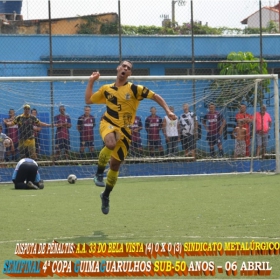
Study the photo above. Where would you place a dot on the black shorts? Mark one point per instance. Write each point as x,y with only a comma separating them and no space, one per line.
214,139
61,144
154,144
86,143
26,172
188,142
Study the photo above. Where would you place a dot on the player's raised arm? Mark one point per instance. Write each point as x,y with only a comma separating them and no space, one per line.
94,76
160,101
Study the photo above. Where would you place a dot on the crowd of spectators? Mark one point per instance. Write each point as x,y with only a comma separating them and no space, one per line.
24,130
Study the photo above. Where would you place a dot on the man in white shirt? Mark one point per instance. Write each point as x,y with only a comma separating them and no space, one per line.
188,130
171,134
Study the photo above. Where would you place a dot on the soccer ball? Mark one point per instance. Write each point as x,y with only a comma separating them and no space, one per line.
7,143
72,179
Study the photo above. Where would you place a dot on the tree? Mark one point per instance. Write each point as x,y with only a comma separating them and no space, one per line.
272,27
227,92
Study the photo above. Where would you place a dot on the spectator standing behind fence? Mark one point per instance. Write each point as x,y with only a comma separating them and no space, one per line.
214,124
240,134
188,130
247,120
263,125
3,137
85,125
62,122
171,134
153,126
37,130
136,142
25,123
12,132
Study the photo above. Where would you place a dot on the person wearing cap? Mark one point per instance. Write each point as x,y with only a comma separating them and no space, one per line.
26,175
25,123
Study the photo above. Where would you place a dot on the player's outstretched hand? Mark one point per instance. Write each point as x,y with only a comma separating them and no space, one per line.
94,76
172,116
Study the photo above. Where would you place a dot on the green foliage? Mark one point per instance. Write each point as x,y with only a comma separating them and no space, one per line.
94,26
241,63
109,28
270,28
168,29
90,27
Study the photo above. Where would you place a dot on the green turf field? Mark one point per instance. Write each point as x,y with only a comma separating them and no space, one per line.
228,208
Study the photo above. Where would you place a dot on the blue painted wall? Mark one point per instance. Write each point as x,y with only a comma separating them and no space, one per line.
34,47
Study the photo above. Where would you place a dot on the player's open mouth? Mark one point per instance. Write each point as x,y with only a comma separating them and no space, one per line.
122,73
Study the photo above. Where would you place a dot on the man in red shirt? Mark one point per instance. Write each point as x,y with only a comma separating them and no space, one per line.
12,132
214,124
136,142
263,125
247,120
85,125
153,126
62,137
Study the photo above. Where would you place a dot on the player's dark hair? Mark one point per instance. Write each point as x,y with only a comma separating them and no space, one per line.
127,61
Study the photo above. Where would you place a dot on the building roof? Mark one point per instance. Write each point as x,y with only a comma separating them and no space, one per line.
274,9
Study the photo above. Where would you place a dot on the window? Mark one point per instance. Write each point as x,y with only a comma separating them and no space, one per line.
176,71
60,72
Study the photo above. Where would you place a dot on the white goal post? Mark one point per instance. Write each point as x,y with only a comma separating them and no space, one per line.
48,94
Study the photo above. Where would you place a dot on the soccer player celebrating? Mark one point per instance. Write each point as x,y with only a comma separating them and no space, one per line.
122,100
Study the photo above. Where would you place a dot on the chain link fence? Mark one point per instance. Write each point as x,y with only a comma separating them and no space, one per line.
70,37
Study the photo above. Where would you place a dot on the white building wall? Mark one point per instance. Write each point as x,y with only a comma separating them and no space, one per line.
267,16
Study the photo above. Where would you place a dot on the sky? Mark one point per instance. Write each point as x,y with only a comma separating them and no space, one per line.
215,13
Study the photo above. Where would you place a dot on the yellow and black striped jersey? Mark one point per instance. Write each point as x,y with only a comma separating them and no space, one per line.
25,126
122,102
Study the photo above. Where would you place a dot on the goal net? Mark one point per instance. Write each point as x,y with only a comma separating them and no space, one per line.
61,100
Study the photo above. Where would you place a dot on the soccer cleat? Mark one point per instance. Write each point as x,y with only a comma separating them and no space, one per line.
98,180
105,204
32,186
41,184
